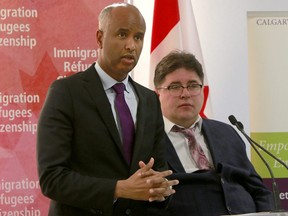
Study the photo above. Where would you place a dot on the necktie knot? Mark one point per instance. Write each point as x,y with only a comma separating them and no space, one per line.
119,88
188,132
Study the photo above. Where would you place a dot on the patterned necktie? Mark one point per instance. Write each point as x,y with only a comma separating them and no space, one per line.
126,121
194,147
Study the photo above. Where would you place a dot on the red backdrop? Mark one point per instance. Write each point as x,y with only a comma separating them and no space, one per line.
40,41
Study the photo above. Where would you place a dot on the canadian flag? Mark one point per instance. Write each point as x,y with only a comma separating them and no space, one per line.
174,27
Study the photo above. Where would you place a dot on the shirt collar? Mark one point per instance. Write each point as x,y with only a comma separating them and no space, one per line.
108,81
169,124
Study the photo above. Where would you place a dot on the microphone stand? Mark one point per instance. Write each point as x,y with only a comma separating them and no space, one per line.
240,127
275,188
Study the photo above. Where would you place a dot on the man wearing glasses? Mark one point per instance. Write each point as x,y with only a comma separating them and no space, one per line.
208,157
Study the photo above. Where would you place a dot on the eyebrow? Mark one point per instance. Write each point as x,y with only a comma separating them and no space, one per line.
128,30
189,82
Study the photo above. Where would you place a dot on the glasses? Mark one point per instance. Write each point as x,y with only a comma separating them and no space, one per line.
177,90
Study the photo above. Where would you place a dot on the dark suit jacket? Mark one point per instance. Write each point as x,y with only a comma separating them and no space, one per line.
232,188
79,150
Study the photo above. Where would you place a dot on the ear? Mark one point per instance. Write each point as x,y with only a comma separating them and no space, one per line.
99,38
156,91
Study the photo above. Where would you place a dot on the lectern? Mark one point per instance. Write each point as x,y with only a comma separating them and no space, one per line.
263,214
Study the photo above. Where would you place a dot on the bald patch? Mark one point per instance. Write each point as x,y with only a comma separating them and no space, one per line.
107,12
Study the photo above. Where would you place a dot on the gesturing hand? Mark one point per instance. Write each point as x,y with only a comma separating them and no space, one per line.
146,184
160,187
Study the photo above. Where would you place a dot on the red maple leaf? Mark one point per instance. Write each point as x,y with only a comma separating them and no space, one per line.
39,83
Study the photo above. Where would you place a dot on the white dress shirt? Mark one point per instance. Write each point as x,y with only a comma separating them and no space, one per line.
180,143
129,94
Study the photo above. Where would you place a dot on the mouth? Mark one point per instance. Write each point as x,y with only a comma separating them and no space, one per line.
128,59
185,105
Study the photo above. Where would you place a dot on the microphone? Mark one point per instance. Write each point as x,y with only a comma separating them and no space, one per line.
275,189
240,127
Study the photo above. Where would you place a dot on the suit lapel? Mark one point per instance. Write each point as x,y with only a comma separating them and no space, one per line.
210,135
172,157
140,123
214,141
94,87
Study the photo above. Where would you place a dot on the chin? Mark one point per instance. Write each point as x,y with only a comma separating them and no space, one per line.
185,116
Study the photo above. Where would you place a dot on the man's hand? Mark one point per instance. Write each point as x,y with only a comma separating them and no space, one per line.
146,184
160,187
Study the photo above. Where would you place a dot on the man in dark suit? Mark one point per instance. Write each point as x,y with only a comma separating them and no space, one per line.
223,181
82,164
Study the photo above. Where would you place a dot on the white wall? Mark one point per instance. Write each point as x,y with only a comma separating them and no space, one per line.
222,28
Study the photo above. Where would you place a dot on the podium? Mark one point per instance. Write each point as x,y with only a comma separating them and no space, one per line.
264,214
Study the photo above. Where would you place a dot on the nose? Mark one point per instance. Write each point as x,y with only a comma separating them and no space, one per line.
185,93
130,44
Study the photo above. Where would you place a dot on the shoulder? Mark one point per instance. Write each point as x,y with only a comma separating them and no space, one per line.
215,125
140,89
222,133
86,75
